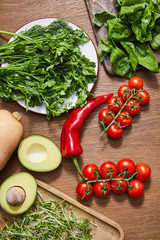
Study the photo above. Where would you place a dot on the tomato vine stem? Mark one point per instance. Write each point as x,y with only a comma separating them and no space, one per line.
133,93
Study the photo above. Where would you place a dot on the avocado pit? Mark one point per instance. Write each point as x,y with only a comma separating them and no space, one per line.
15,196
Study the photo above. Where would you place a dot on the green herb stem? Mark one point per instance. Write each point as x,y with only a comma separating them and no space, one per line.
15,34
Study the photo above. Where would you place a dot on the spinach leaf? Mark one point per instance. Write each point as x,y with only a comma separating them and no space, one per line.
130,49
120,63
104,48
118,29
134,30
101,18
146,57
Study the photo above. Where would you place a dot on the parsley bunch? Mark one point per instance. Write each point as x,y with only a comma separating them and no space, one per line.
45,65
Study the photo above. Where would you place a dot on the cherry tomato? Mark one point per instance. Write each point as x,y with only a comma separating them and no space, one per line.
106,116
102,189
84,191
108,169
126,164
143,171
124,119
136,82
133,107
143,97
124,92
115,103
137,188
91,171
114,131
119,188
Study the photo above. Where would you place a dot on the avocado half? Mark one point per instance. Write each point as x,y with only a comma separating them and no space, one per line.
21,180
39,154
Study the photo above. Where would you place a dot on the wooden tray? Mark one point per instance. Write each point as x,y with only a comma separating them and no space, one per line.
105,228
95,6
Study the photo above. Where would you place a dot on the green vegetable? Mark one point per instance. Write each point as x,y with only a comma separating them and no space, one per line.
46,65
132,35
47,220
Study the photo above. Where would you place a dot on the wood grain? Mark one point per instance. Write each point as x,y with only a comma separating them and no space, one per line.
140,218
95,6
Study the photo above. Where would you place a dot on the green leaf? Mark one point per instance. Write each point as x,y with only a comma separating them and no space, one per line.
118,29
130,49
104,48
101,18
120,63
146,57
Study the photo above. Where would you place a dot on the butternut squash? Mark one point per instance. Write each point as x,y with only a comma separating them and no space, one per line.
11,133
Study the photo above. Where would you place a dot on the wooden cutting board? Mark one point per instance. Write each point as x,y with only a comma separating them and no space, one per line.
95,6
105,228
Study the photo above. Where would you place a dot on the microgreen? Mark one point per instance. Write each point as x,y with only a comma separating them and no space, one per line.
47,219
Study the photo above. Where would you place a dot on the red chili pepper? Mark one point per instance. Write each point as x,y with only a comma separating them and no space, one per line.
70,144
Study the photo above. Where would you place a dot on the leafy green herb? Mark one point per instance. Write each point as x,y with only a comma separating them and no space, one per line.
131,35
46,65
47,220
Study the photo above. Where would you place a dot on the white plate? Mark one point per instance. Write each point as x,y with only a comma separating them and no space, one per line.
87,49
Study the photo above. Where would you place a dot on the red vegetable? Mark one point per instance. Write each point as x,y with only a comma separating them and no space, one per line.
102,189
115,104
143,171
106,116
70,144
124,119
133,107
143,97
91,171
119,186
114,131
136,82
124,92
137,188
108,169
126,164
84,190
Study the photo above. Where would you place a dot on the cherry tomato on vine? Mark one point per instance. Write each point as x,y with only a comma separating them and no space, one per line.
143,171
102,189
137,188
133,107
136,82
84,190
108,169
124,92
143,97
106,116
91,171
114,131
119,186
115,103
126,164
124,119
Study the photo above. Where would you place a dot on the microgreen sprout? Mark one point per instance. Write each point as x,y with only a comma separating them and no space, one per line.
47,219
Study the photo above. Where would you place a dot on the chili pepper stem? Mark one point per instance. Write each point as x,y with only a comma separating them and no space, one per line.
74,158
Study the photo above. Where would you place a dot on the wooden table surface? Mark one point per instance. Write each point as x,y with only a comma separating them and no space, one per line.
140,218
